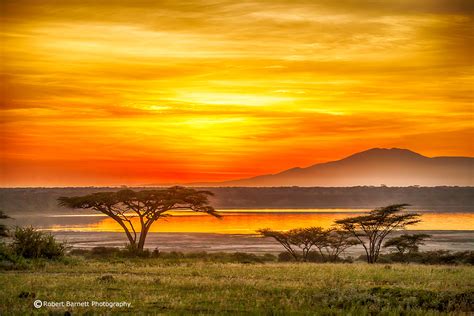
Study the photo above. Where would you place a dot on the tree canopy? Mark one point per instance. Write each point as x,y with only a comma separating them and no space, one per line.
371,229
148,205
299,242
407,243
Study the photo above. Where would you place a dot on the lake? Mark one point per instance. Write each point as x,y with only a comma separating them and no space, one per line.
187,231
238,221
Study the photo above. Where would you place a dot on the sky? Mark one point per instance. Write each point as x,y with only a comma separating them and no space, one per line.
141,92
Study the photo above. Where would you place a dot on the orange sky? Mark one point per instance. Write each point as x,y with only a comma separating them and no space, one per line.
137,92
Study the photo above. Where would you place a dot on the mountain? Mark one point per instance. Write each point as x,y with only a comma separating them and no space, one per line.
377,166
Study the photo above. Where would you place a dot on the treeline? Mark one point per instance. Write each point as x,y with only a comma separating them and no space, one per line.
34,200
342,197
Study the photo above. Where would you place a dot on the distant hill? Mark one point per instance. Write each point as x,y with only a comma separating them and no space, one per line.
377,166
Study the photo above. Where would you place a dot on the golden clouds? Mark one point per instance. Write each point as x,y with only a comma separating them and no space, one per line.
165,91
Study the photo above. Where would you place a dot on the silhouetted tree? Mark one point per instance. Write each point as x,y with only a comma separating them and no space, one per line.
336,242
329,242
284,238
407,244
147,205
371,229
307,238
3,227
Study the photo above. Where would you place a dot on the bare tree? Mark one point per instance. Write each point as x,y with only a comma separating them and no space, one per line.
371,229
148,205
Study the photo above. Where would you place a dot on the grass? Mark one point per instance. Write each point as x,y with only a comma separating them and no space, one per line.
192,286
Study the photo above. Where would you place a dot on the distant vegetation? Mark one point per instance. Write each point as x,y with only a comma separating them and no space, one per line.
429,257
43,200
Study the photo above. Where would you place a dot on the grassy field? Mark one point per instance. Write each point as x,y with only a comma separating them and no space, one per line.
191,286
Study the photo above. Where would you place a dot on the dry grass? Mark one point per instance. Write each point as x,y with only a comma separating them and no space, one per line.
198,287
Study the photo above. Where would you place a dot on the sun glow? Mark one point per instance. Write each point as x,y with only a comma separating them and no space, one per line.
249,222
126,93
231,99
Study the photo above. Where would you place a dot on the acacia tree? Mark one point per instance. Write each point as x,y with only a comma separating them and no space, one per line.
407,243
335,243
307,238
148,205
329,242
284,238
371,229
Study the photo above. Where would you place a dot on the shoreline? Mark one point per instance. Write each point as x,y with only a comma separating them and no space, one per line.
216,242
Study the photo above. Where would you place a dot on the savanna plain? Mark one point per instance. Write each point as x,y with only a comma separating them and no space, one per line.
237,284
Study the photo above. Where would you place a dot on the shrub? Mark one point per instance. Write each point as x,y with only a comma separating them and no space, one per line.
173,256
268,257
431,257
30,243
10,260
98,252
79,252
285,257
314,256
242,257
134,252
3,227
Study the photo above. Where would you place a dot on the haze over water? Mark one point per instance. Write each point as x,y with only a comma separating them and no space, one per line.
241,221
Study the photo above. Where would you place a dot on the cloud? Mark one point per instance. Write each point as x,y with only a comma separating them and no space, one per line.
221,87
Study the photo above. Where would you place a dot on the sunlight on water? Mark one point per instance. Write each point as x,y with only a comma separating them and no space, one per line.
248,221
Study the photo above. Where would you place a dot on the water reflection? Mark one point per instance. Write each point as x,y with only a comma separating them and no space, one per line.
239,221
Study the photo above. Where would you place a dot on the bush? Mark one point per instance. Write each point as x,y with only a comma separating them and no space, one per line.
9,260
5,252
285,257
242,257
430,257
99,252
445,257
105,251
30,243
313,256
112,252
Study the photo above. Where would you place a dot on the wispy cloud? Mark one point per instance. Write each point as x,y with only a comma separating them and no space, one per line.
150,91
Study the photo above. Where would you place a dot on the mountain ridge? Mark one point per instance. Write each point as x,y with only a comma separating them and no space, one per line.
375,166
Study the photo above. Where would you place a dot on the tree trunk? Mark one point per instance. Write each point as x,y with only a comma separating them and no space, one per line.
143,233
130,238
370,258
